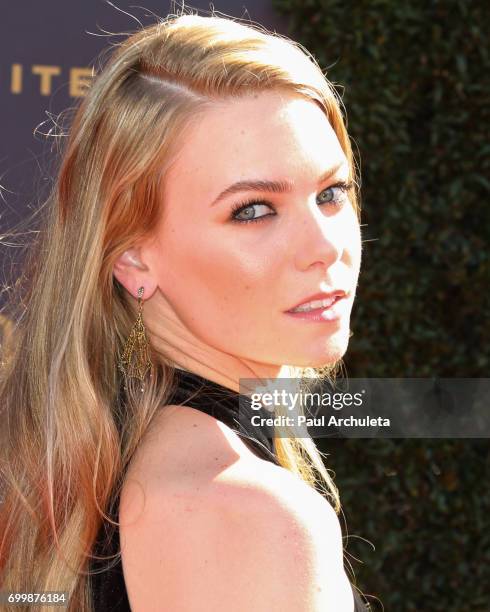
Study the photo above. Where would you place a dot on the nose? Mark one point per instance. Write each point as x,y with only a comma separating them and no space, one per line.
320,238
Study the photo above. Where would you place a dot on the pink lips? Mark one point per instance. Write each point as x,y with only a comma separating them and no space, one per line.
325,314
320,296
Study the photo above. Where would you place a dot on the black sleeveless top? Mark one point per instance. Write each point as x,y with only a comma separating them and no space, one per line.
108,587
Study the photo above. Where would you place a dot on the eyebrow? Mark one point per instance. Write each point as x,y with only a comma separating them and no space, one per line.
270,186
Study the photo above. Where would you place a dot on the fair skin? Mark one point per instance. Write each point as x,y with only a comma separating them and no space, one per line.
206,526
216,292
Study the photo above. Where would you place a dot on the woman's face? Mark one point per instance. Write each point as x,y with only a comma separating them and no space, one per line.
226,284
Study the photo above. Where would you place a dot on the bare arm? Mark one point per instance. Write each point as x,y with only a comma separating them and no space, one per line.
245,543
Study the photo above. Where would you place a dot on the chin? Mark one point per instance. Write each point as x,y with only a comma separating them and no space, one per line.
327,353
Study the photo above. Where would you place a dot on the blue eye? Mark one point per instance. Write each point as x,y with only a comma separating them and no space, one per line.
249,205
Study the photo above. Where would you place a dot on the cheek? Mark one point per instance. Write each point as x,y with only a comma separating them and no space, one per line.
352,232
229,276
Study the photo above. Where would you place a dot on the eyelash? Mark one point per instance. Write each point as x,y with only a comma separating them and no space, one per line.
238,207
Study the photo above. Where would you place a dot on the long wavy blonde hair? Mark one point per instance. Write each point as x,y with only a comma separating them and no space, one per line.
66,439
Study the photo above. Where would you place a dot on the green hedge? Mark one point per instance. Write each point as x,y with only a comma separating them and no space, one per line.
414,81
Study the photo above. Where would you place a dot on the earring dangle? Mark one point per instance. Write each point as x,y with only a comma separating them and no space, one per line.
135,361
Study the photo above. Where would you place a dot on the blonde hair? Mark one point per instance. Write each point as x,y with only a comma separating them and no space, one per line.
66,437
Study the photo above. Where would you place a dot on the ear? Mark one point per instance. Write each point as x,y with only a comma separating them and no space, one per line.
132,273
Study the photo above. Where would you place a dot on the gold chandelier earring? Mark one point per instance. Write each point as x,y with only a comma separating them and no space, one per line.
135,361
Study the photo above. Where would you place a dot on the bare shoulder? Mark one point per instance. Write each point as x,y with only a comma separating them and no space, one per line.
234,532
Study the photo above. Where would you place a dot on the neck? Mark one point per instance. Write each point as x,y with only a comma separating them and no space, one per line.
169,336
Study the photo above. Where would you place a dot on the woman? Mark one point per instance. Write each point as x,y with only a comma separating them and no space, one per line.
207,190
